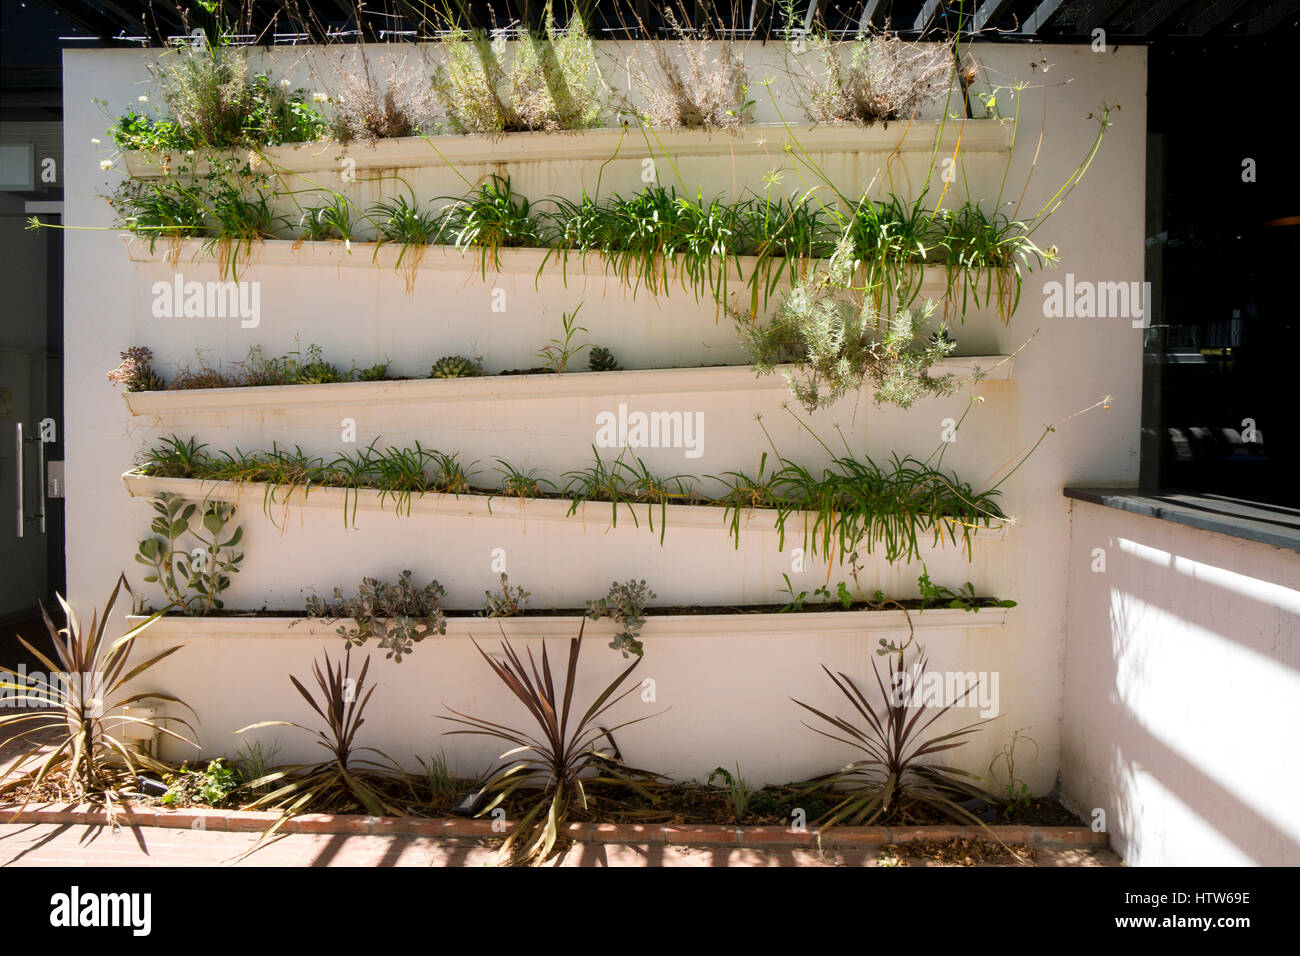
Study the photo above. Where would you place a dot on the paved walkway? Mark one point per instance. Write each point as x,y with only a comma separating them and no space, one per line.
67,845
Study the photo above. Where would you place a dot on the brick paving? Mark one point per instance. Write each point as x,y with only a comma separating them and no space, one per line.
76,845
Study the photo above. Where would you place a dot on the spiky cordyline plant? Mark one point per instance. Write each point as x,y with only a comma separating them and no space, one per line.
84,760
344,779
892,781
562,764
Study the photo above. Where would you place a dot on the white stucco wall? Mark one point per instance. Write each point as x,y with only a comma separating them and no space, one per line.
1182,686
729,694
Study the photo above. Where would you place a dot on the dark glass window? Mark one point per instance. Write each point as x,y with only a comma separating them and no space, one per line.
1223,257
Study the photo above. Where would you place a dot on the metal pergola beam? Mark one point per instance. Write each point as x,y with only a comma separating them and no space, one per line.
870,14
990,11
815,8
927,15
1041,15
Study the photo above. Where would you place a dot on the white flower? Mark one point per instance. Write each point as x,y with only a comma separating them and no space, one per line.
94,142
105,164
285,84
144,99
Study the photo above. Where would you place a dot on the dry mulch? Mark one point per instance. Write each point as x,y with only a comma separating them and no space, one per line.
957,852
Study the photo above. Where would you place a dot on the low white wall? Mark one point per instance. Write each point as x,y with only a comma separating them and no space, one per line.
1182,688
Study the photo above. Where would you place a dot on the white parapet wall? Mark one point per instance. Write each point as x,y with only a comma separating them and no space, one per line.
729,684
1182,667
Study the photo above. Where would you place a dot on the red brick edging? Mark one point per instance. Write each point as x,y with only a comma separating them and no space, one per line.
684,835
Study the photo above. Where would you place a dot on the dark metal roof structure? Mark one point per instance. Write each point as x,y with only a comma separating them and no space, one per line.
115,22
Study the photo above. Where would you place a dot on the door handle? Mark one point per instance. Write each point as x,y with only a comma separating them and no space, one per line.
18,447
22,515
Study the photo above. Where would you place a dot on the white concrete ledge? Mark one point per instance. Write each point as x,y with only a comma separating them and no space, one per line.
740,624
977,136
597,513
499,388
439,258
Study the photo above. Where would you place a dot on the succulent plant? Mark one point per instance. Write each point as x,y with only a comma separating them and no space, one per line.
135,372
455,366
508,602
318,373
375,373
626,604
398,615
602,359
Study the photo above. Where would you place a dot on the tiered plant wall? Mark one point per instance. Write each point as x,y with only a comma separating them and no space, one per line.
817,309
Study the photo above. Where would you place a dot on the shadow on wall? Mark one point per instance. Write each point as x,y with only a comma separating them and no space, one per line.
1196,698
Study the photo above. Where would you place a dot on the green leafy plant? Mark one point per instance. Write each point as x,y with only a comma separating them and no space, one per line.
508,602
625,603
1015,791
212,786
962,599
329,220
192,579
450,475
398,221
438,778
396,615
67,725
252,762
740,793
492,217
892,781
521,484
216,104
561,351
797,601
142,131
558,767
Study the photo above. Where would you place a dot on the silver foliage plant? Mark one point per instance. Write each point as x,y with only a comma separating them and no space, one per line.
873,78
626,604
398,615
697,89
389,98
839,341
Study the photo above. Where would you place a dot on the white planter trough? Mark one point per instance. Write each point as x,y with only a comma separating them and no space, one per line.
737,625
500,507
977,136
500,388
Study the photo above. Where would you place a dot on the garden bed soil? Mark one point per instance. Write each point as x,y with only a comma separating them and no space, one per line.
680,804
